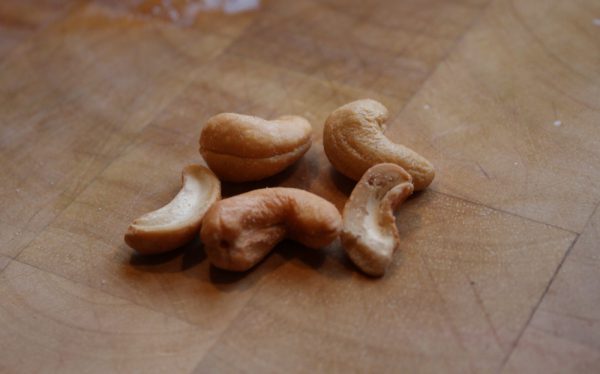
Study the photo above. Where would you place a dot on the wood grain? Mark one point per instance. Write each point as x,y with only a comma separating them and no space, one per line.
4,261
50,324
454,300
392,59
491,128
73,99
179,283
102,103
20,19
563,333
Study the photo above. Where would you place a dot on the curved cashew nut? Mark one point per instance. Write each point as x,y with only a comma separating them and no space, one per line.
354,141
240,231
179,221
370,235
240,148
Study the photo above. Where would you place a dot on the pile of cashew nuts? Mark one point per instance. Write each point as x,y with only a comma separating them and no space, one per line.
240,231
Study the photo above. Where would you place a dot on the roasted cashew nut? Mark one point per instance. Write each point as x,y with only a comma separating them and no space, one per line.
354,141
370,235
240,148
178,222
240,231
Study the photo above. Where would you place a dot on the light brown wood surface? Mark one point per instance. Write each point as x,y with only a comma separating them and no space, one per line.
102,103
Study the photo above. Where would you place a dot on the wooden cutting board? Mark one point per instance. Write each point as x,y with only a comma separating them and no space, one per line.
102,103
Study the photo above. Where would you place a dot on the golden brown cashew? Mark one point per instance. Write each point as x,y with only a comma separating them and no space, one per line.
178,222
240,148
370,235
240,231
354,141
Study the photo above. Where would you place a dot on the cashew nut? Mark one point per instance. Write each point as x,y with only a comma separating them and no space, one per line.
240,231
240,148
354,141
370,235
179,221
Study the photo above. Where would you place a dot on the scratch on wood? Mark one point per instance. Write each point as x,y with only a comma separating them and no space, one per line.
485,314
482,170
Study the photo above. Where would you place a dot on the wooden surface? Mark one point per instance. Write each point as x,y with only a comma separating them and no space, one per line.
102,103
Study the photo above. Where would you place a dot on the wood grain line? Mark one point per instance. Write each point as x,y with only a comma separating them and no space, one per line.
230,325
505,211
99,289
4,261
106,166
70,9
567,254
537,304
476,20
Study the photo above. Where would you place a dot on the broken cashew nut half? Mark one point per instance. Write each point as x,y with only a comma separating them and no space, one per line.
370,235
241,148
354,141
178,222
240,231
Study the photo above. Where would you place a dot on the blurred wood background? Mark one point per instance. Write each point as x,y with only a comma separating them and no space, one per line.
102,103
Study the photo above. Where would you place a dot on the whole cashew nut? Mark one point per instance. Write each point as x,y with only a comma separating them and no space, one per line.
240,231
354,141
179,221
240,148
370,235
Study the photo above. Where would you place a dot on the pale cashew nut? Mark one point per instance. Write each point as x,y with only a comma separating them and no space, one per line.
354,141
240,148
240,231
176,223
370,235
